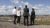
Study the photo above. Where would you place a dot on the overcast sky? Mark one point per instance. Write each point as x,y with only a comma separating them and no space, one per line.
42,7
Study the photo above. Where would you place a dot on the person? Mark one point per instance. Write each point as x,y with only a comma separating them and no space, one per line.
18,15
32,16
26,14
15,16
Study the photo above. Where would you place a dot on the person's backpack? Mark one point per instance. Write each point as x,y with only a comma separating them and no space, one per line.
26,10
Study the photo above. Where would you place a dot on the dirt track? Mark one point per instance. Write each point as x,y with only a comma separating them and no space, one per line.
4,23
11,25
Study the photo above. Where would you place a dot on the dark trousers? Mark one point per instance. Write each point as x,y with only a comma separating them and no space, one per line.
18,20
25,18
32,20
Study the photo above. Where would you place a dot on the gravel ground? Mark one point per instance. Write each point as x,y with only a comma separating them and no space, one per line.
7,22
11,25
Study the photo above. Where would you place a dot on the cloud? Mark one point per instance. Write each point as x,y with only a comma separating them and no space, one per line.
2,7
38,6
21,2
26,3
5,10
17,1
48,7
41,9
10,7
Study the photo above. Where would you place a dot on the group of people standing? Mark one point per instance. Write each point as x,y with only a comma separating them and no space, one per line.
25,15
